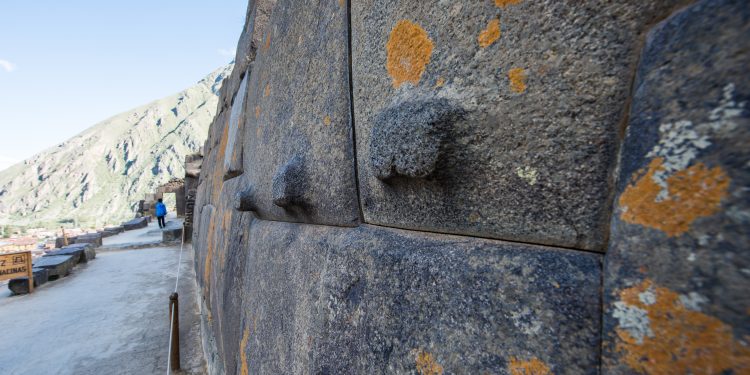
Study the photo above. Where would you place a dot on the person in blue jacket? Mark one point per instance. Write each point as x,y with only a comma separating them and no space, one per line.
161,212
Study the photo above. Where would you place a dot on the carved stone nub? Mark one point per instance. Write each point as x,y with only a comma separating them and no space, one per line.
290,184
245,200
408,136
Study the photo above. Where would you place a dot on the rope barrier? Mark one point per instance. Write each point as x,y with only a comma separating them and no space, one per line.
179,261
172,305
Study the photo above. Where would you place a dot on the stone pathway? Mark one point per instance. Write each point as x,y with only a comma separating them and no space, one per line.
109,316
138,237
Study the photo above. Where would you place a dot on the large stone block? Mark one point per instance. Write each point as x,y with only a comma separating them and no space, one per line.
171,234
202,237
112,231
193,164
60,242
222,241
233,151
298,144
496,118
83,252
21,284
678,267
137,223
56,266
95,239
370,300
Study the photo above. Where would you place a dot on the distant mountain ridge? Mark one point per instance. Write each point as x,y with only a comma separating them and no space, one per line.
97,177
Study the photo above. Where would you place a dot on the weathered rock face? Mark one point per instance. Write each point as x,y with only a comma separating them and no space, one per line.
676,285
455,128
297,117
373,300
498,119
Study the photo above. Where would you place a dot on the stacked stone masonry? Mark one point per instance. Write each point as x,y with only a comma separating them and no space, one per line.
471,187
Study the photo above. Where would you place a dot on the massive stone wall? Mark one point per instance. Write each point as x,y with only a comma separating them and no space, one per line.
498,186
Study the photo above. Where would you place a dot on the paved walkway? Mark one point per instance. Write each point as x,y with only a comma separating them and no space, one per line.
144,236
109,316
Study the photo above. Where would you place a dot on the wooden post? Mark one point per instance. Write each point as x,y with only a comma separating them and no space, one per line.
65,238
174,355
31,272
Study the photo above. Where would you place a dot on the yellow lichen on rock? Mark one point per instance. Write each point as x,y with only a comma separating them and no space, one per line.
243,352
217,178
692,193
267,90
267,44
517,78
327,120
504,3
531,367
679,340
427,365
490,34
209,258
409,50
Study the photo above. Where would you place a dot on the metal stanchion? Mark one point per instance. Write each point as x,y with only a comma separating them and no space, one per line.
174,343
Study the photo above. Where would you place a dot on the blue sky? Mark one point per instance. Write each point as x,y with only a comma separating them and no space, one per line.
66,65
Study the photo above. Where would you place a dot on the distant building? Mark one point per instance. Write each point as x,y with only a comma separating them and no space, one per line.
18,244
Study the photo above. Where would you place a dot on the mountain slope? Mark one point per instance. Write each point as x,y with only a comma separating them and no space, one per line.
97,177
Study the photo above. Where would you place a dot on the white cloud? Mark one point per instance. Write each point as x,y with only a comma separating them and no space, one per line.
7,65
227,52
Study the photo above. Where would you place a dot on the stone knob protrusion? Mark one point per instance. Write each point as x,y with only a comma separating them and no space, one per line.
290,184
244,200
408,137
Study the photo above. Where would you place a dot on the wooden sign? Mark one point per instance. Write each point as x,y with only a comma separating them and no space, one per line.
16,265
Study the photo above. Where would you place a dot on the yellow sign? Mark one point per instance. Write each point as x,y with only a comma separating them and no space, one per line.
15,265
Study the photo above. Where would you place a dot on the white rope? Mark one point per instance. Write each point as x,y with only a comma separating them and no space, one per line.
179,261
172,314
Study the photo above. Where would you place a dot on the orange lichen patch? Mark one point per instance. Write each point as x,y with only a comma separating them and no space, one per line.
257,111
209,257
517,78
342,2
409,50
440,82
243,349
267,44
693,193
267,90
504,3
226,223
426,364
490,34
683,341
531,367
217,180
327,120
